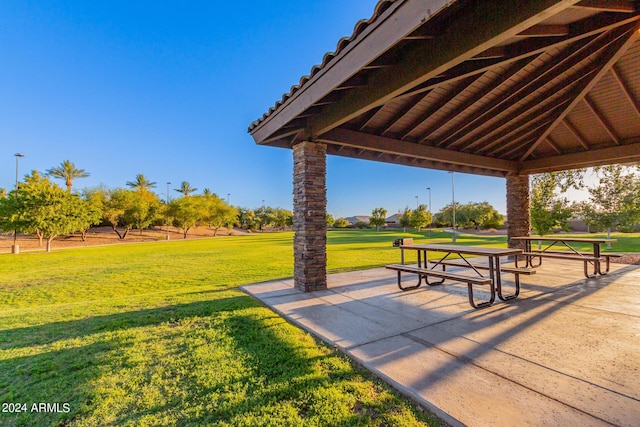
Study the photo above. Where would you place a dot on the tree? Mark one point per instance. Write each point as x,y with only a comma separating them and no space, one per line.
341,223
188,212
186,189
479,215
548,211
405,218
116,203
130,209
141,183
247,219
378,217
43,208
282,218
615,202
420,217
218,213
67,171
330,220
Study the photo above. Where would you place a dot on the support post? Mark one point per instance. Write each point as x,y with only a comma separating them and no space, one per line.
518,215
309,216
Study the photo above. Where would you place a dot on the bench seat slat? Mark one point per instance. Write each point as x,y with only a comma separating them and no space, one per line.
561,256
441,274
519,270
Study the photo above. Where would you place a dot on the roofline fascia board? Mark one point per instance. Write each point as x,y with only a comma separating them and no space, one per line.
628,152
376,39
393,146
495,21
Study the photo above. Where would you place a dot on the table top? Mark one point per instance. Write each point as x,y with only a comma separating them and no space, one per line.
462,249
566,239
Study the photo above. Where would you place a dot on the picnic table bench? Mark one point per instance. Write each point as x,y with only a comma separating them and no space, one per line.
424,271
593,257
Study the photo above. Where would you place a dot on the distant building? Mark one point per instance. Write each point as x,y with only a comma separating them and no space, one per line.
358,218
393,219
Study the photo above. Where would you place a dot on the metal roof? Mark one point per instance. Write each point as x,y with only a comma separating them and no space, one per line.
475,86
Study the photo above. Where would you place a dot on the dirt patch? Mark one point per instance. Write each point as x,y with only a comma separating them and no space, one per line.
633,259
106,236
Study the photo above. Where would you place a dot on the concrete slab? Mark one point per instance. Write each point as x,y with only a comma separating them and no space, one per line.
564,353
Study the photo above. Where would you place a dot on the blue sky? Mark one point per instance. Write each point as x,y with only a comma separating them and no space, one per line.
169,88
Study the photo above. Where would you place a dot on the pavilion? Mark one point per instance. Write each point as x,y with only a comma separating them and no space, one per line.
503,88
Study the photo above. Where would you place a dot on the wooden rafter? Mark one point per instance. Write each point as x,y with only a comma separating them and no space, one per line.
570,57
625,90
575,133
454,46
553,145
486,90
410,103
435,107
601,119
628,151
519,132
392,146
608,5
514,117
614,53
369,116
545,31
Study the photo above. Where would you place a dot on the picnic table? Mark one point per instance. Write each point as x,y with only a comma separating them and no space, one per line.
558,247
493,279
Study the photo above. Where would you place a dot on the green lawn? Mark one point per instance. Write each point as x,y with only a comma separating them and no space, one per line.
158,334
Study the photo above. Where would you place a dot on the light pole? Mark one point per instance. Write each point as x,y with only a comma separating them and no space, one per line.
453,206
15,249
168,184
430,216
228,194
417,205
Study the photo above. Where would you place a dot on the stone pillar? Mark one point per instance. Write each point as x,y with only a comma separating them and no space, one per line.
309,216
518,216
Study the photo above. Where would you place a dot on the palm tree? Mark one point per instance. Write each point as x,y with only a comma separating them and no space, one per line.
186,189
67,171
141,183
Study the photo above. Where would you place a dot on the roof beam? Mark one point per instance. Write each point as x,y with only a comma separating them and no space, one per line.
435,107
613,54
486,90
575,133
545,31
627,152
493,23
406,149
570,57
625,90
601,119
350,152
410,103
608,5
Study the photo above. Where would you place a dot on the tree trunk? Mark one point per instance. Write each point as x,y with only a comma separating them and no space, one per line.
49,240
39,234
84,235
117,232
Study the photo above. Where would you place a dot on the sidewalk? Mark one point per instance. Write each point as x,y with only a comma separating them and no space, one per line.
566,352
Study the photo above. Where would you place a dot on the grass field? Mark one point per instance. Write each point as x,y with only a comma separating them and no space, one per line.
157,334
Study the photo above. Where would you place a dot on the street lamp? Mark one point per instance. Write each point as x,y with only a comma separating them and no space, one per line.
168,184
453,206
18,155
15,249
430,225
228,194
417,205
